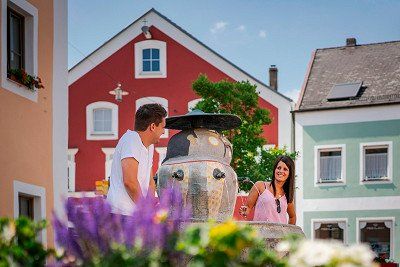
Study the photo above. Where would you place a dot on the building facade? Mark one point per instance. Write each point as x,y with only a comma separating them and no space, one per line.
154,64
347,127
33,122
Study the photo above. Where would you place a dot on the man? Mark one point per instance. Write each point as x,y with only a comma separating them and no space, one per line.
131,174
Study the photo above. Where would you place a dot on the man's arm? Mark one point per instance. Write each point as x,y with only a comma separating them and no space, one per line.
152,185
129,173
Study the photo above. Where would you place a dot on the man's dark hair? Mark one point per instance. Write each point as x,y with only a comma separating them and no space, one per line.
148,114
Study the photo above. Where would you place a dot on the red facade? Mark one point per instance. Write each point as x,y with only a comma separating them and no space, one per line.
183,67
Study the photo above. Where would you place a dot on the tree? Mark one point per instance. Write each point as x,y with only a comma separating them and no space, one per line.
241,98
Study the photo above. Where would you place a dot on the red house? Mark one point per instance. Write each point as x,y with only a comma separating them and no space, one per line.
154,64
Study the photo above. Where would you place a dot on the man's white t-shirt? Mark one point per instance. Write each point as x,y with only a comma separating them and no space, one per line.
129,146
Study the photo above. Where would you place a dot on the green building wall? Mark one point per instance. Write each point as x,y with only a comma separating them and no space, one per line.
350,134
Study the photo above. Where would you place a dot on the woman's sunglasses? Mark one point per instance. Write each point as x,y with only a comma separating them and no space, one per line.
278,205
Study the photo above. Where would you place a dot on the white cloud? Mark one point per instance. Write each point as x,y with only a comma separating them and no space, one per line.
293,94
220,26
241,28
262,34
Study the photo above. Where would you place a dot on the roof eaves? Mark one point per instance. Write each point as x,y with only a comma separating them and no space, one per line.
306,78
191,36
112,38
345,107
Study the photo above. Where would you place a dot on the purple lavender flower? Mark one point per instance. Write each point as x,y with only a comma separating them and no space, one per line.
96,231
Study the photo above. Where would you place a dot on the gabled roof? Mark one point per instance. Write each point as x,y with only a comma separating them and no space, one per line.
376,65
154,18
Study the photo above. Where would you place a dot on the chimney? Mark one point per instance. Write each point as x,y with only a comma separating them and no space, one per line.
273,77
351,42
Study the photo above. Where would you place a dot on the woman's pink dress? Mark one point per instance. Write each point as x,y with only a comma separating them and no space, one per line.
266,208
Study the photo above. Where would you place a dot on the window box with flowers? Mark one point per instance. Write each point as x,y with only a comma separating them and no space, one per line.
20,76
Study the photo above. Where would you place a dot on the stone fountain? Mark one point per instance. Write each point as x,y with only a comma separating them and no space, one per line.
198,163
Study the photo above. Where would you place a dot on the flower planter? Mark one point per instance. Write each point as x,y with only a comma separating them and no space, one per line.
23,79
14,79
389,264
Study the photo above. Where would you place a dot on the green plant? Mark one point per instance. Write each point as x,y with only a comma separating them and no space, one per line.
19,245
249,159
20,76
226,244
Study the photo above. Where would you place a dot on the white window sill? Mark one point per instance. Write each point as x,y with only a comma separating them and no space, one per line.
377,181
102,136
330,183
151,74
102,133
20,89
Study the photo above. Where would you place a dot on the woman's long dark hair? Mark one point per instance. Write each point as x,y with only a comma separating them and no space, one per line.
288,186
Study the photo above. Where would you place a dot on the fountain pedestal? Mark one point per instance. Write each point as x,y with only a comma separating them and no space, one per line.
198,163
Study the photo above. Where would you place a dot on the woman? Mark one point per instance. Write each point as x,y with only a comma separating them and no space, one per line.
272,200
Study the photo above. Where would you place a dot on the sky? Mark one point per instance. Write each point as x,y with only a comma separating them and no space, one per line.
252,34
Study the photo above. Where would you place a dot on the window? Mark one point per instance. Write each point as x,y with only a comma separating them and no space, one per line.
376,162
150,59
109,152
150,100
102,121
19,20
30,201
15,40
25,203
378,233
335,229
71,169
330,164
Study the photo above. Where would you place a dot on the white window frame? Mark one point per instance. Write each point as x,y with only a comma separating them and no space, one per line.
31,16
148,44
331,220
71,168
389,145
90,134
39,203
324,148
193,103
109,153
151,100
377,219
162,153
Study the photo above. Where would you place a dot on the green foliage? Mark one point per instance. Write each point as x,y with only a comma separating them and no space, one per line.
19,245
226,244
206,244
241,98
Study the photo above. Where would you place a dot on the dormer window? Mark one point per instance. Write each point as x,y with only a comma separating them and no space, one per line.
150,59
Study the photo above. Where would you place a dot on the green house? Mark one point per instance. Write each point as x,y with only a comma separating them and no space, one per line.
347,132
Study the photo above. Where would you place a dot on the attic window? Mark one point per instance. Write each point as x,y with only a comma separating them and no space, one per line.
344,91
150,59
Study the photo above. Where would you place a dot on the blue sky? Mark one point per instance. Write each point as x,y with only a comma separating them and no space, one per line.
253,34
